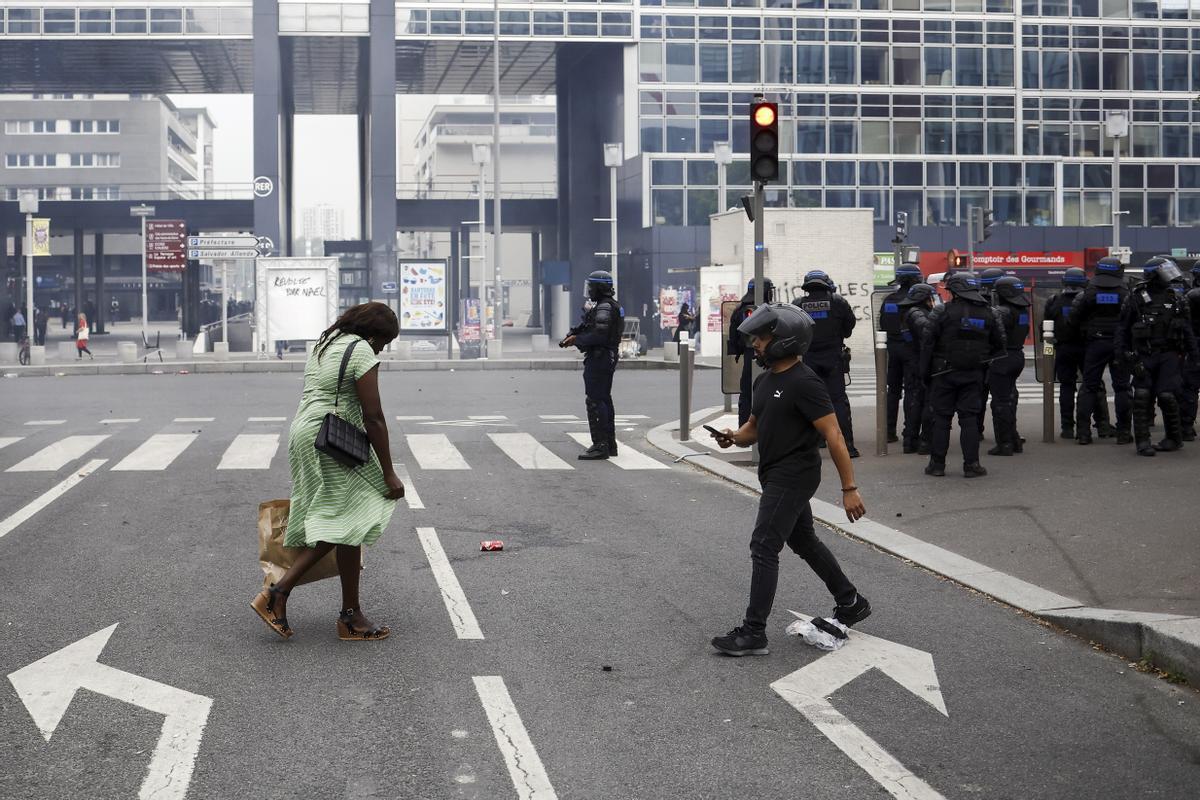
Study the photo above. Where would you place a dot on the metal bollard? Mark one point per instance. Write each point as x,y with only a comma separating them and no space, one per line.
881,393
685,391
1047,357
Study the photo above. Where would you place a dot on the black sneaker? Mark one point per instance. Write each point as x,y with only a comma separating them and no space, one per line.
612,449
741,642
936,470
974,470
853,451
854,613
594,453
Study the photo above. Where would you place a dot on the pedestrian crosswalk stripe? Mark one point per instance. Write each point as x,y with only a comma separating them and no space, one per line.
45,422
434,451
413,418
486,416
410,490
631,416
156,453
628,459
267,419
250,451
527,452
558,416
120,421
5,441
55,456
461,616
10,524
193,419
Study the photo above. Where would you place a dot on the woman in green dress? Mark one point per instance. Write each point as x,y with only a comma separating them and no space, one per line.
334,506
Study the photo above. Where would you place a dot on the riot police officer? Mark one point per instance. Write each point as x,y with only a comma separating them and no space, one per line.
1191,369
1094,315
1154,334
1011,307
736,345
987,285
918,416
961,337
900,360
599,336
1068,349
833,322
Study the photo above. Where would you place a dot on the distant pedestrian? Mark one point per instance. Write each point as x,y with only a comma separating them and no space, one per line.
39,326
686,320
281,346
81,338
18,325
332,505
792,411
67,315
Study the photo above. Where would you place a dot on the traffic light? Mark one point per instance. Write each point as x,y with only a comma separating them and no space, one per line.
986,223
764,141
901,226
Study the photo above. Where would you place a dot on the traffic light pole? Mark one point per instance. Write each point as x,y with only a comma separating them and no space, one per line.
760,289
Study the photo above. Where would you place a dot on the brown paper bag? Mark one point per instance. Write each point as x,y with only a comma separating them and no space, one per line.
277,559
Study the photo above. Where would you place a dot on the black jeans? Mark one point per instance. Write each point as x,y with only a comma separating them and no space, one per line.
785,517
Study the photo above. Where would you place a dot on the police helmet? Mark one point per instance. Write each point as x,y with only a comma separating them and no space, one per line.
790,326
1074,277
1162,270
908,273
1196,267
817,279
989,276
1011,290
599,284
964,285
768,289
918,294
1110,273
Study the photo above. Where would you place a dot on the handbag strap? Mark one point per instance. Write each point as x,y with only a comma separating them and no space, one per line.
342,371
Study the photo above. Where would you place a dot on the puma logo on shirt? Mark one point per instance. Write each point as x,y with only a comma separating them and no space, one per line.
778,393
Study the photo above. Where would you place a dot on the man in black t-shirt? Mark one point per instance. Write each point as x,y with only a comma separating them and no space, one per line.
791,413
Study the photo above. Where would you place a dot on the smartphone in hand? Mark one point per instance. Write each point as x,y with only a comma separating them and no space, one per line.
718,435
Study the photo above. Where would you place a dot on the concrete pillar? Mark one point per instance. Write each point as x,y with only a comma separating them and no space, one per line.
101,301
127,352
221,351
37,354
77,267
184,349
379,151
535,279
272,128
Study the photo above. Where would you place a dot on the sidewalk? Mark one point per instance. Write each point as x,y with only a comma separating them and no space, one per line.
1095,539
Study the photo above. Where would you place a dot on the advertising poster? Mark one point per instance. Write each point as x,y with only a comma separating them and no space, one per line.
885,268
41,237
422,295
670,299
718,285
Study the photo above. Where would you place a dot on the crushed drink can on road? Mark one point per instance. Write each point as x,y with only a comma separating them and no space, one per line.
489,545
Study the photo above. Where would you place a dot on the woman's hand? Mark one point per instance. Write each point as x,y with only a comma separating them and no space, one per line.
395,486
853,503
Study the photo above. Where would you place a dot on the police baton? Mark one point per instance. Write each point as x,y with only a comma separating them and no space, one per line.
981,363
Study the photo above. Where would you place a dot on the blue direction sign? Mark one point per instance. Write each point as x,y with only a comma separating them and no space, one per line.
221,242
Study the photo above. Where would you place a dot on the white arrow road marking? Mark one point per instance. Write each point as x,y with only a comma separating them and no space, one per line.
54,457
808,689
47,686
461,615
524,766
250,451
7,526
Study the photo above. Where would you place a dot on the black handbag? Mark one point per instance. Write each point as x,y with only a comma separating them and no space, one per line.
341,440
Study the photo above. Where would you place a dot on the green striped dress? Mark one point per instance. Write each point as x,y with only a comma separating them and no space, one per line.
331,502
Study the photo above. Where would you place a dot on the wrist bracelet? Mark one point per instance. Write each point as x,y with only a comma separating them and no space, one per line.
850,489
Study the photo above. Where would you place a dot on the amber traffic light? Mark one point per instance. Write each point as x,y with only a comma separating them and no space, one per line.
764,141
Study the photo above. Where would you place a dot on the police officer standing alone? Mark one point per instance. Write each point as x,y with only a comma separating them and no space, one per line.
1094,315
900,355
792,412
833,321
962,336
918,417
599,336
1154,335
736,345
1191,368
1012,313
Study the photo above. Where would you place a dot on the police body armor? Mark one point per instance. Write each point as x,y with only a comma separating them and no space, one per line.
890,317
1016,325
615,329
1106,314
1058,310
964,343
826,325
1160,317
1193,300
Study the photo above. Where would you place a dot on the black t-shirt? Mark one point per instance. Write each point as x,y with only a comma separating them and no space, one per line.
785,405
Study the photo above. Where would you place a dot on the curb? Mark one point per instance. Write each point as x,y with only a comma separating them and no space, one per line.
275,365
1167,641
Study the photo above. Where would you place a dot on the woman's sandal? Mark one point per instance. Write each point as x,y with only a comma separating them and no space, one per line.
348,633
264,605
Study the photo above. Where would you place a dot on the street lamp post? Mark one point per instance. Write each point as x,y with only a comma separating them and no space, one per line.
614,156
142,211
723,154
496,225
1116,125
481,154
29,207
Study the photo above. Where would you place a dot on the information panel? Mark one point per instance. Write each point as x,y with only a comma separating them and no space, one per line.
297,298
423,295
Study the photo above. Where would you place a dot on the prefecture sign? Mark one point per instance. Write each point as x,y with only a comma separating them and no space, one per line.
165,240
221,242
221,252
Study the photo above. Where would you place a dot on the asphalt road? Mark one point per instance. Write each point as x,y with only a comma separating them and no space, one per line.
632,569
